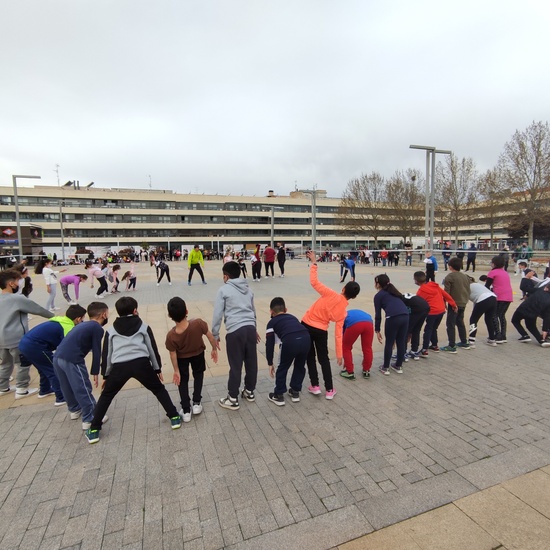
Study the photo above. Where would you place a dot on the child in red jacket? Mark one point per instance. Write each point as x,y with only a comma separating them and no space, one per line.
436,298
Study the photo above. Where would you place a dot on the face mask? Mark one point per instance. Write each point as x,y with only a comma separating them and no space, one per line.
104,322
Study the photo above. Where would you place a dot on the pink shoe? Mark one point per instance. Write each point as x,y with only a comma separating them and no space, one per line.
315,390
330,394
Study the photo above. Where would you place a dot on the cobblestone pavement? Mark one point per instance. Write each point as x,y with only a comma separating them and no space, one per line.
313,474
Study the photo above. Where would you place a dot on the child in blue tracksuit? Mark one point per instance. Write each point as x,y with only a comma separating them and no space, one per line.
431,266
295,344
39,344
70,367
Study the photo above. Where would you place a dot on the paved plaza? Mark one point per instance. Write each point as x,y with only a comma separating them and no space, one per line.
450,435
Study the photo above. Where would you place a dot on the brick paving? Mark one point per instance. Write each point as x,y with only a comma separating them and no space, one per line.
307,475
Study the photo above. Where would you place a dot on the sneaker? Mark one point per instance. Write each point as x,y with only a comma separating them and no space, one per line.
20,394
366,374
231,403
73,303
186,417
348,375
384,370
315,390
92,436
175,422
189,283
463,345
330,394
414,355
424,353
279,400
59,403
473,328
249,395
204,283
434,349
158,284
88,425
472,343
545,344
169,284
492,343
450,349
197,408
294,395
524,339
396,369
100,296
502,340
76,415
5,392
405,357
42,395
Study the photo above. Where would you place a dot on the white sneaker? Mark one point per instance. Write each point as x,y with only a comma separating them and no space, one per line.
76,415
169,284
186,417
73,303
88,425
158,284
20,394
197,408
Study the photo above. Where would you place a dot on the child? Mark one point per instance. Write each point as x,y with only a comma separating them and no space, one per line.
349,265
357,324
70,367
162,270
457,285
331,306
295,343
388,298
485,303
184,342
256,264
436,298
418,312
71,280
115,281
27,287
235,303
50,277
13,325
431,266
242,265
39,344
499,281
130,278
95,271
536,305
130,351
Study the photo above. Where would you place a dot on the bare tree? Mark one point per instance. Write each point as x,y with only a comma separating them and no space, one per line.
455,189
360,209
525,166
493,193
405,199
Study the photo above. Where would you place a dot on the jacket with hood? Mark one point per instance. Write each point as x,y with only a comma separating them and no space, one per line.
235,304
128,339
436,297
537,304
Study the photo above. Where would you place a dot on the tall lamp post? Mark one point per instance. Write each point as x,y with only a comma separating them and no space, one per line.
17,219
313,193
273,208
430,192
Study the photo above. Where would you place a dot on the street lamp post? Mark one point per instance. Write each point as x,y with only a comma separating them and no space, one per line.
62,230
430,192
313,193
17,219
273,208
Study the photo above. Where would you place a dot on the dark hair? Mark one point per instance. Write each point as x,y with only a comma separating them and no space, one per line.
95,309
126,275
277,305
177,309
115,267
9,275
523,262
82,276
384,281
196,246
232,270
75,311
88,263
351,290
483,278
456,263
126,306
498,261
39,267
419,277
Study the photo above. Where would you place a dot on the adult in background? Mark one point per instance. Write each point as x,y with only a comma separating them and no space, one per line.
194,262
269,259
471,258
281,258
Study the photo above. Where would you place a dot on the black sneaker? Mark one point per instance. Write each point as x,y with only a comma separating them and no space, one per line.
434,348
279,400
524,339
229,403
366,374
294,395
248,395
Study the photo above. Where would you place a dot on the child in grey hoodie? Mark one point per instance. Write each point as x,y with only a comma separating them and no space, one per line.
235,303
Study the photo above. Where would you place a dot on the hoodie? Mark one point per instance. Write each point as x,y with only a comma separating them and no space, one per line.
436,297
537,305
235,304
128,339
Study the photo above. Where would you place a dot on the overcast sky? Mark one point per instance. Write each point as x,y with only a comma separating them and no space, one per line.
243,96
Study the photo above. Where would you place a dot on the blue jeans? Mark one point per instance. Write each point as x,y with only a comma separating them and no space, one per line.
43,361
295,348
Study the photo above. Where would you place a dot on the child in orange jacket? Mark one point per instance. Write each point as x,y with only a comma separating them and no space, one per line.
436,298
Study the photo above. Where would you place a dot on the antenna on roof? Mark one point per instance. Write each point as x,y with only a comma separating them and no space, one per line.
150,184
57,172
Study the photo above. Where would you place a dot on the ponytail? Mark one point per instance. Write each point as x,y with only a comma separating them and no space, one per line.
384,281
